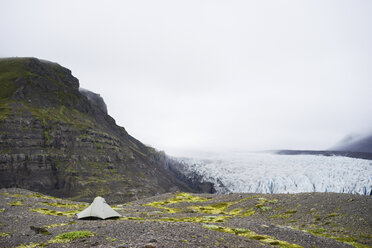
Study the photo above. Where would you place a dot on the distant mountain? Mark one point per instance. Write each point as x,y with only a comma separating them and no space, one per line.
57,139
354,144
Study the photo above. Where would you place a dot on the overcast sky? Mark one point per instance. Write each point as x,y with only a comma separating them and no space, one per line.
211,75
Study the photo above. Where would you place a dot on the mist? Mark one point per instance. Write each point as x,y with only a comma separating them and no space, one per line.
211,75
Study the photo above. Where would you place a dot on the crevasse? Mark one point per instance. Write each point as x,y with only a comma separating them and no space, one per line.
273,173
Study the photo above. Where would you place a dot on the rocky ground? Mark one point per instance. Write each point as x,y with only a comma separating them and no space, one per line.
29,219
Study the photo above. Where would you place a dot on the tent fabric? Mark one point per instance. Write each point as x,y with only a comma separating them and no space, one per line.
100,209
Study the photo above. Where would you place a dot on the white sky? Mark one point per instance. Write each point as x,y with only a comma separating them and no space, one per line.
211,75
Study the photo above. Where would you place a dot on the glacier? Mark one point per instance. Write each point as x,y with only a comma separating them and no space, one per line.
273,173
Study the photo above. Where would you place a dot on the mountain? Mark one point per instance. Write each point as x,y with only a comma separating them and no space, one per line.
355,144
57,139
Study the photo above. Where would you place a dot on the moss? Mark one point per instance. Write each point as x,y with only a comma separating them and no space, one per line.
71,236
218,208
248,213
252,235
223,208
61,115
265,208
16,203
4,234
201,219
65,205
178,197
332,215
54,212
111,239
291,211
282,216
31,245
10,70
34,195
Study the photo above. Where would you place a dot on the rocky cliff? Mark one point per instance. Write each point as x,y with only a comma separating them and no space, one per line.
61,141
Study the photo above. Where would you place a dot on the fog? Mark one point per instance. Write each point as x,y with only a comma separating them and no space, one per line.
211,75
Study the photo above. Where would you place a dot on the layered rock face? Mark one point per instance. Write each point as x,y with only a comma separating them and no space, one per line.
57,140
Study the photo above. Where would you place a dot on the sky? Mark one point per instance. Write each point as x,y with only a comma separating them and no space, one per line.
211,75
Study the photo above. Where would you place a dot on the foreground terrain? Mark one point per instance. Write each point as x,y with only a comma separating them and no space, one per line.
29,219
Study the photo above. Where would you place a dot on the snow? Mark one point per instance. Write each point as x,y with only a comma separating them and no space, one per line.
273,173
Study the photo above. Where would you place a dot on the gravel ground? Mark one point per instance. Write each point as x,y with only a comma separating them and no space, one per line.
191,220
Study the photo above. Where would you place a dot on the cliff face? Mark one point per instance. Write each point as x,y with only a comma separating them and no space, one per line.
57,140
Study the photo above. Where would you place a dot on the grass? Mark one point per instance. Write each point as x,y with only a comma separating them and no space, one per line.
10,70
71,236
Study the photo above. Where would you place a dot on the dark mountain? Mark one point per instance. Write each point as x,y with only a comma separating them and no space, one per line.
355,144
351,146
58,140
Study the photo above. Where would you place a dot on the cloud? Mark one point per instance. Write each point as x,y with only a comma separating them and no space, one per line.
210,75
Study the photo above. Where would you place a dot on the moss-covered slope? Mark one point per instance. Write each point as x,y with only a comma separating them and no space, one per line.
54,140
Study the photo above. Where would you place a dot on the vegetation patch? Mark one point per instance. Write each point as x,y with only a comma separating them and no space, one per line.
65,205
179,197
262,201
31,245
202,219
47,211
218,208
344,239
248,213
4,234
252,235
16,203
61,115
35,195
71,236
222,208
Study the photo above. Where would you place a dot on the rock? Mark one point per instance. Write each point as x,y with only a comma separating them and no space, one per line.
149,245
40,230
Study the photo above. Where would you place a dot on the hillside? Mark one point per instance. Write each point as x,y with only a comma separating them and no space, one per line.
177,220
61,141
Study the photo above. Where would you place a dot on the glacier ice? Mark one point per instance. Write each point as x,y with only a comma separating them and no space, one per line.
274,173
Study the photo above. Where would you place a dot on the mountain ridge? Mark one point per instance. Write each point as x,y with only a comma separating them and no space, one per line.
355,144
54,140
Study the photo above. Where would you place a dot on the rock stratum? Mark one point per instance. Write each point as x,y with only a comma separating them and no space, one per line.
57,139
30,219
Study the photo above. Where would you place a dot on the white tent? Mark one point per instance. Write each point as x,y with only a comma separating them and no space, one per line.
99,209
